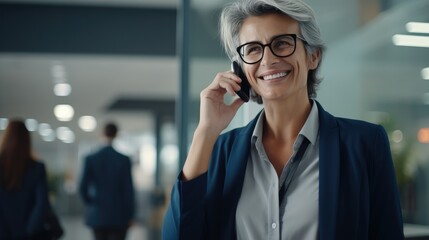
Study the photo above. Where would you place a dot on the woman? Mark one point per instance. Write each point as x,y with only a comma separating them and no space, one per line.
23,188
295,171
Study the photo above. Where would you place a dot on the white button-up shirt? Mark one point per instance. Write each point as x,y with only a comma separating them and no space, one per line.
258,211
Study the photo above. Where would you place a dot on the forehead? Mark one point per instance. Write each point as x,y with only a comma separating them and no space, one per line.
263,28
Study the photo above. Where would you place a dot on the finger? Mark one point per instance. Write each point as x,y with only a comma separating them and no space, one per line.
229,76
233,79
230,87
227,81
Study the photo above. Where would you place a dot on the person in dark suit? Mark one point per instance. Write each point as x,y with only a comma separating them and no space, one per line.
23,186
295,171
107,190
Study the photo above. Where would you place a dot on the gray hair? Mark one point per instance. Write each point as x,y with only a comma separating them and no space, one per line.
234,14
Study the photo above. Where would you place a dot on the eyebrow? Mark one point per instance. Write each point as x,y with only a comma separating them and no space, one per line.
271,39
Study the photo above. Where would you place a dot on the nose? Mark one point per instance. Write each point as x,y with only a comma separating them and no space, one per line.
268,57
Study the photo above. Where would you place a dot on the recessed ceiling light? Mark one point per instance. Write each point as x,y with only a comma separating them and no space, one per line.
87,123
58,72
417,27
31,124
64,112
410,40
3,123
62,89
65,134
425,73
49,135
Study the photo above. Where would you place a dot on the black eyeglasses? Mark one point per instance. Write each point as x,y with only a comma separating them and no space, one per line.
281,46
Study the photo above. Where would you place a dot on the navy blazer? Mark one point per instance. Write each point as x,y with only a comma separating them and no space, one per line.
358,195
22,211
107,190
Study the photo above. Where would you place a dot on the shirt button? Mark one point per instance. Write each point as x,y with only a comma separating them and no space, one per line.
274,225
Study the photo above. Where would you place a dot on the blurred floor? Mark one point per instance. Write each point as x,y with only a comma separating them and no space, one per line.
75,229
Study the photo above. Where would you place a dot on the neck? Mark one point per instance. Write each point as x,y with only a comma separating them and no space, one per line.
283,121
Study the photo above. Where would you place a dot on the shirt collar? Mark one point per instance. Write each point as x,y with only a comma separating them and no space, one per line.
311,126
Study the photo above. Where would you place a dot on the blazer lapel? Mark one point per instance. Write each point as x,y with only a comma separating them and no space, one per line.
234,178
329,173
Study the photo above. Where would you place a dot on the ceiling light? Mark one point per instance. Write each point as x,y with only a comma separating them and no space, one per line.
58,72
87,123
63,112
49,135
65,134
417,27
410,40
62,89
425,73
44,129
3,123
31,124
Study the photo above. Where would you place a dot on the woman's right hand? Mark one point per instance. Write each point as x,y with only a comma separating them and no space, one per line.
215,116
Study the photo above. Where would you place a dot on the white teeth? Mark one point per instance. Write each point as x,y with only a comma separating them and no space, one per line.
277,75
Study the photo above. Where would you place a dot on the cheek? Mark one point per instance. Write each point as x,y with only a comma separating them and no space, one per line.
250,74
301,71
304,64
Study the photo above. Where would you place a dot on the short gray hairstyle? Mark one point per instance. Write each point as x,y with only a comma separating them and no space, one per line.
234,14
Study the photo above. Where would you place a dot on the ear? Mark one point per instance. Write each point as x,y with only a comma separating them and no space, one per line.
314,60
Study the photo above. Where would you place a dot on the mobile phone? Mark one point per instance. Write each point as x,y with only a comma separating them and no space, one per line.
244,92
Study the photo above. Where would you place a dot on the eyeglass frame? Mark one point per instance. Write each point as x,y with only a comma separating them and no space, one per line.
293,35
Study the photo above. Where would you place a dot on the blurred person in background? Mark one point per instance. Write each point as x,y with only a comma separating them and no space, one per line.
295,171
24,201
107,190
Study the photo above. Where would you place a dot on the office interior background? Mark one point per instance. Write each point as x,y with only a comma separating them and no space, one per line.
68,66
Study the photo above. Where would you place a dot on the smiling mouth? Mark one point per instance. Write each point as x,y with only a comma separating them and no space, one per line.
275,76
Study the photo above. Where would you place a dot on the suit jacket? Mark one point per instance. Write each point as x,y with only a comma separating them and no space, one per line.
22,211
107,190
358,195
